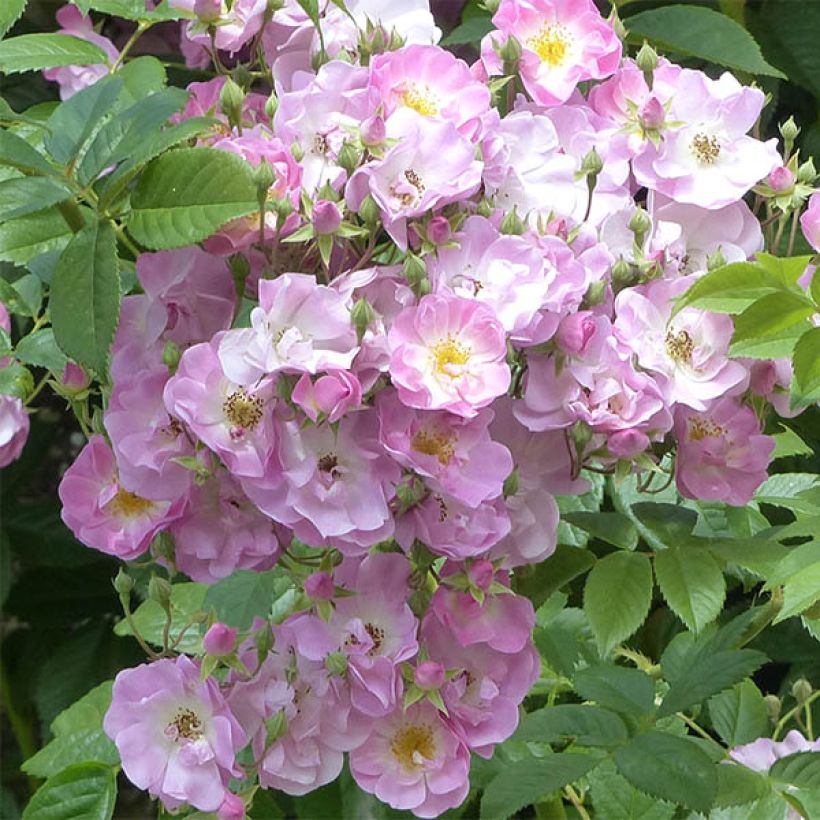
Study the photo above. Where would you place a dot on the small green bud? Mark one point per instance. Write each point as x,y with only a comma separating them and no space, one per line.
231,99
159,590
297,152
423,288
491,5
581,435
592,164
362,315
369,212
773,707
484,207
264,176
715,260
271,105
639,224
789,130
622,274
336,663
801,691
123,583
414,269
510,53
275,727
512,224
171,355
617,25
396,41
807,173
647,61
595,295
263,641
242,76
349,157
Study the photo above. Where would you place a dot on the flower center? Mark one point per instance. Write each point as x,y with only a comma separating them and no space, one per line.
128,505
705,148
320,144
551,43
450,354
412,745
186,726
679,346
243,410
421,100
701,428
436,444
329,464
376,635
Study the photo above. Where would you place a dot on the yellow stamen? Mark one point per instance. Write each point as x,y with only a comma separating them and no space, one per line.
551,43
701,428
436,444
450,353
128,505
705,148
412,745
421,100
680,346
242,409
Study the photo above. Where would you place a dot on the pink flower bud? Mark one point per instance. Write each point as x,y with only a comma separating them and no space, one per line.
429,675
208,11
575,331
558,227
652,114
219,639
762,377
438,230
781,180
627,443
326,217
232,808
373,131
481,574
319,586
74,377
332,394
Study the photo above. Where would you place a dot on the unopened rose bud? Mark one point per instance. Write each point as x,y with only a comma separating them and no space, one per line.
575,331
592,164
74,379
438,230
326,217
510,53
789,130
232,808
807,173
640,224
773,707
801,691
219,639
208,11
627,443
781,180
362,315
271,105
349,157
231,100
369,211
652,114
263,641
319,586
373,131
123,583
647,61
512,224
481,574
159,590
429,675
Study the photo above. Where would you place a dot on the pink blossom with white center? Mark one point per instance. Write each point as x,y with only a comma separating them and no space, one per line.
810,222
451,528
639,112
504,621
14,427
233,420
483,697
505,272
333,394
455,455
524,166
196,289
319,722
175,734
430,167
448,353
709,161
221,531
74,78
299,325
563,42
761,754
330,484
320,114
429,82
687,352
102,514
413,759
722,454
146,439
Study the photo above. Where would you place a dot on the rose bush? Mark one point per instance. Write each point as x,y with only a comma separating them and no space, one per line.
430,414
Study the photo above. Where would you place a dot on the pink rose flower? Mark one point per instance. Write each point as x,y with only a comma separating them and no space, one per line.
810,222
333,394
219,639
14,427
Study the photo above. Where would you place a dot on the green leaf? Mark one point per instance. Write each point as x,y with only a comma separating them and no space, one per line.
612,527
801,770
141,78
801,591
788,443
87,791
74,121
40,349
245,595
731,288
669,523
739,714
587,725
693,31
21,196
135,10
9,14
525,781
186,600
85,296
705,673
539,582
186,195
615,798
779,345
34,52
769,317
15,380
78,736
671,768
17,153
806,362
28,236
617,596
738,785
692,584
470,32
624,690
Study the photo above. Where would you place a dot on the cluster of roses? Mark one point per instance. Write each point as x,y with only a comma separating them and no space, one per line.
487,311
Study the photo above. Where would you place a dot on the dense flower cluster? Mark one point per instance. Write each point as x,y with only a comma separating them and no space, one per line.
459,294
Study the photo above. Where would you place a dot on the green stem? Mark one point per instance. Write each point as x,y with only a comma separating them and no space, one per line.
138,32
40,385
126,608
125,239
576,801
21,728
793,232
781,724
698,729
72,214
